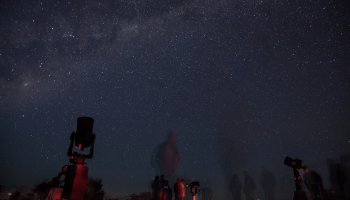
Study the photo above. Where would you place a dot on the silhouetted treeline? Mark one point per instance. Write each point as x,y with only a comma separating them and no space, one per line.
15,196
143,196
94,189
28,196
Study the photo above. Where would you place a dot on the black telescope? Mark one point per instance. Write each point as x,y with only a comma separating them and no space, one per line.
84,132
296,164
194,184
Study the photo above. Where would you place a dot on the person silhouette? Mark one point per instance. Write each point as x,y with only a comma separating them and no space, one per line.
155,188
167,157
236,187
249,186
268,183
343,169
163,188
313,182
332,174
180,189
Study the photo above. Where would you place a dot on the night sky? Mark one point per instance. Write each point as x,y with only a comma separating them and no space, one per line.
243,83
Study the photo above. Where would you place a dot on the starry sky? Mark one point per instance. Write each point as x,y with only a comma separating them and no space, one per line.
244,83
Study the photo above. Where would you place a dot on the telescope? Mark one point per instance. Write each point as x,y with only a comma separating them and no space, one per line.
294,163
76,174
297,165
194,185
84,132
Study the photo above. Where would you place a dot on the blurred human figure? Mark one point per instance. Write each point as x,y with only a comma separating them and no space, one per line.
167,157
341,180
236,187
179,189
268,183
183,190
249,186
313,182
168,191
332,174
155,188
162,188
343,173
